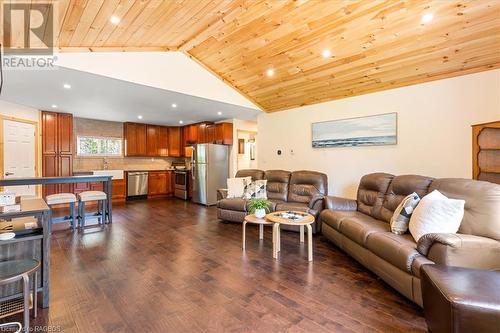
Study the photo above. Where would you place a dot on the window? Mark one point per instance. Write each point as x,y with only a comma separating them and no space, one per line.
92,146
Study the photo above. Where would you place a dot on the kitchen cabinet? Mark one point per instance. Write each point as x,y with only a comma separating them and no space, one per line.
210,133
163,141
224,133
191,134
135,136
57,149
175,142
158,183
171,183
152,140
202,133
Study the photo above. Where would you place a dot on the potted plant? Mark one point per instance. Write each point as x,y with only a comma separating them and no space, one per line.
258,207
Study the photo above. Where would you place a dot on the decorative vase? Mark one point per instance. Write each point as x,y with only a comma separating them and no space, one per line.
260,213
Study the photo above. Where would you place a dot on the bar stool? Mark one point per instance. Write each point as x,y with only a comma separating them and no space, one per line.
19,270
63,198
87,196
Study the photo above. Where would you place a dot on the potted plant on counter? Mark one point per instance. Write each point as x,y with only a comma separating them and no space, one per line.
259,207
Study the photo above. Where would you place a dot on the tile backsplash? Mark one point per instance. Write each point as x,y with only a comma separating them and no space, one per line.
100,128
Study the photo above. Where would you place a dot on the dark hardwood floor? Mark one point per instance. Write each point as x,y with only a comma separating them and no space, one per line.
171,266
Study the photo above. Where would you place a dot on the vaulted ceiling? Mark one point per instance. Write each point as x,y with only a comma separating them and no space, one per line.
373,45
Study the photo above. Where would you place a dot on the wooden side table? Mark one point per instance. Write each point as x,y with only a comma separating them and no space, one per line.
253,219
306,221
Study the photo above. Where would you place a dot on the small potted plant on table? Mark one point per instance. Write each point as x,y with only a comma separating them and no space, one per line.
259,207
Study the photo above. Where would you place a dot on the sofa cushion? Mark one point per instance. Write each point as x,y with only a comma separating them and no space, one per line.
482,204
304,185
237,204
335,217
400,187
371,192
357,228
399,250
277,184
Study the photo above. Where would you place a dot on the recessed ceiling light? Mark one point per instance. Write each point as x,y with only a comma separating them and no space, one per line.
174,105
426,18
139,117
54,106
115,19
270,72
219,113
326,53
181,122
67,86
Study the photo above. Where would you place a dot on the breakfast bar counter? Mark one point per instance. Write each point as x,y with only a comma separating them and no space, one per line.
106,180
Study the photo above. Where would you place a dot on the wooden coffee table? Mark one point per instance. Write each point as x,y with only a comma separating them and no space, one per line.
307,220
255,220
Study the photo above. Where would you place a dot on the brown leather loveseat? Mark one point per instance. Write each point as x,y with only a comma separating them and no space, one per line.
361,228
297,190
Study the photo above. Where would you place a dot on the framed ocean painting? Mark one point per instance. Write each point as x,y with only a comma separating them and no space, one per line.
363,131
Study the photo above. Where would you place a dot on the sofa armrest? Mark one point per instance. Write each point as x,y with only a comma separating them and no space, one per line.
316,203
221,194
338,203
461,250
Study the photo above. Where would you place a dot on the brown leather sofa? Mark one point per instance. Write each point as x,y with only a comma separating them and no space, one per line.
361,228
297,190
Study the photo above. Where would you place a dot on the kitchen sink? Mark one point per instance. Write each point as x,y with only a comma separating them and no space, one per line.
116,174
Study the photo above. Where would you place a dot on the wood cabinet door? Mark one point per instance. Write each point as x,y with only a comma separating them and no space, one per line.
49,169
152,140
210,133
129,135
157,183
175,142
191,134
202,133
65,166
96,186
80,187
163,141
170,182
119,190
65,133
224,133
135,139
49,133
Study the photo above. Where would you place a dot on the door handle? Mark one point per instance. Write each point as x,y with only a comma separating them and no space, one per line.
9,173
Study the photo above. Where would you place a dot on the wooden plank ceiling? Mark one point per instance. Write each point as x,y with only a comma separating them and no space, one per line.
374,45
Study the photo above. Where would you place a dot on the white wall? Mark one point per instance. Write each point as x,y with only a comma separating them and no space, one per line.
166,70
434,133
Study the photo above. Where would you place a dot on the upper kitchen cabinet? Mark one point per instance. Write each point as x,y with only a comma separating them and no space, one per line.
175,142
152,140
163,141
224,133
135,139
191,134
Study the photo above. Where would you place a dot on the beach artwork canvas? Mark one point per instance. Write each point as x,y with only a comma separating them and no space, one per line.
364,131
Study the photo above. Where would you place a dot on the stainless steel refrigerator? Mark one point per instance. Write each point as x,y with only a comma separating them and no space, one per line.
210,170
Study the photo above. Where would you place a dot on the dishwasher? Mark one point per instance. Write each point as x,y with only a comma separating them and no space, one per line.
137,185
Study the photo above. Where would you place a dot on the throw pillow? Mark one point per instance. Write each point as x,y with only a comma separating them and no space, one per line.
402,214
256,190
236,186
436,213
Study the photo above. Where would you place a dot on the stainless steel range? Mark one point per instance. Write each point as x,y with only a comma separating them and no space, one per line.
181,184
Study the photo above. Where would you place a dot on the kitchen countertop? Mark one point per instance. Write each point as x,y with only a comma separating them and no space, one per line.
76,173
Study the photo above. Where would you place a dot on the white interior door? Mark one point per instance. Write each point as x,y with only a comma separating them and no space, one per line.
19,154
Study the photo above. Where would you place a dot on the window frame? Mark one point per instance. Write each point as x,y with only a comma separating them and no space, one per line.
106,155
